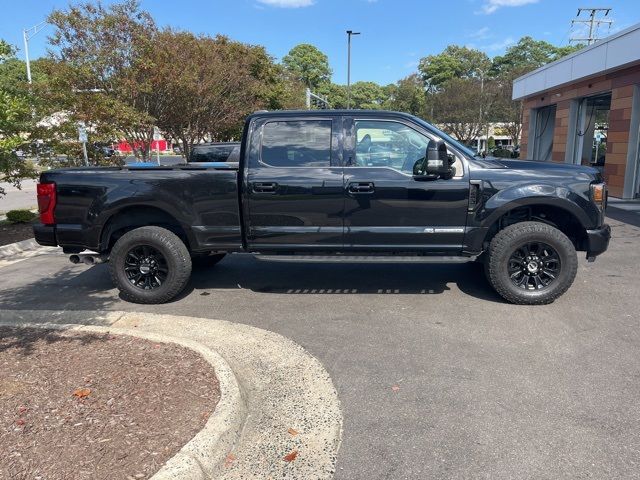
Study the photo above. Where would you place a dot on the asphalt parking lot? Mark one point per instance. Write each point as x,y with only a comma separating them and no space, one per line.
438,378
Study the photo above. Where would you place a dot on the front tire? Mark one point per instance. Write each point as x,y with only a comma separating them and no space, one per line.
150,265
531,263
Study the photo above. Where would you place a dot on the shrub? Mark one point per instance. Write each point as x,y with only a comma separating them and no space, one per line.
501,152
20,216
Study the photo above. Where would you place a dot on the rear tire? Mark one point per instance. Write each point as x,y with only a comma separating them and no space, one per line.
531,263
150,265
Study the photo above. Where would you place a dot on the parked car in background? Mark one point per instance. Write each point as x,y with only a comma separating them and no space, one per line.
106,150
215,152
332,186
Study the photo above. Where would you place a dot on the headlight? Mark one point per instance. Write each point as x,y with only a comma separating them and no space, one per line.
599,194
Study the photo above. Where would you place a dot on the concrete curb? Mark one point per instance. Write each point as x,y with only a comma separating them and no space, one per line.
18,247
204,454
18,251
291,402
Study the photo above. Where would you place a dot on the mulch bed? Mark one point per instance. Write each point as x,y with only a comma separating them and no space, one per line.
10,233
99,406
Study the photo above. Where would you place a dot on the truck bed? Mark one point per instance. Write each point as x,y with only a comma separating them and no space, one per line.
203,199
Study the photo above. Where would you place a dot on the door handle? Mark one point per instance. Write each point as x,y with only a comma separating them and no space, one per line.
361,187
264,187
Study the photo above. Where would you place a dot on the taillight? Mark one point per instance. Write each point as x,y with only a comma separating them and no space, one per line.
47,202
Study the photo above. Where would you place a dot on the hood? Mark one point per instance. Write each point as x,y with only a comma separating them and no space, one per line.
533,165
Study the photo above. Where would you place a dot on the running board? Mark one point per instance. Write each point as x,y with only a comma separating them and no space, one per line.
365,258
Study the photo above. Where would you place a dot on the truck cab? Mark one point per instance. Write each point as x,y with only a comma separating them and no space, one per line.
346,182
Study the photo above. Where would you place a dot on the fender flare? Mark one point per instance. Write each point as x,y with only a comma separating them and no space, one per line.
534,195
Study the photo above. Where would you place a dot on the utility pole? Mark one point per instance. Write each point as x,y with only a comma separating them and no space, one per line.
28,34
349,33
593,22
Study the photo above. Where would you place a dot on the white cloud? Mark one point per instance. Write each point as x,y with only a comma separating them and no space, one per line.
287,3
491,6
497,46
481,34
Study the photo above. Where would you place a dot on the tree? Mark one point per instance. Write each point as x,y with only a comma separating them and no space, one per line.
99,68
15,118
527,55
220,83
335,94
367,96
453,62
408,95
457,104
308,65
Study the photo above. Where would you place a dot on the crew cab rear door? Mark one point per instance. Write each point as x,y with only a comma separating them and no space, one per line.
386,208
293,185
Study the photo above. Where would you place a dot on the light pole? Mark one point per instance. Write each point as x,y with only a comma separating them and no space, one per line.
349,33
28,34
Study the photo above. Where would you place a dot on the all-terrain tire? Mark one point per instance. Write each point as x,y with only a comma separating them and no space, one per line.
175,253
507,241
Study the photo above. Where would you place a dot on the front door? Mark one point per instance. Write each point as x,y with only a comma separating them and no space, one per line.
294,185
386,208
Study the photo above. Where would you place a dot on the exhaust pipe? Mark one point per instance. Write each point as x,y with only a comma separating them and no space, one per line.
88,259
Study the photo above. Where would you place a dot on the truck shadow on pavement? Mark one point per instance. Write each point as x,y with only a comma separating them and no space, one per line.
76,287
71,288
291,278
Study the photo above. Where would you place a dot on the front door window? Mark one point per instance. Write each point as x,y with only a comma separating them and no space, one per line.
388,144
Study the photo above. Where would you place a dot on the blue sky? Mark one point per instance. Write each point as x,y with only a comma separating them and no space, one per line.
395,33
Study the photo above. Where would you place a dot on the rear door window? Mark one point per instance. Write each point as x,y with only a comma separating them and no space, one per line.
297,143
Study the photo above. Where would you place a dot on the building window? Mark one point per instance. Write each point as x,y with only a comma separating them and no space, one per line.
545,123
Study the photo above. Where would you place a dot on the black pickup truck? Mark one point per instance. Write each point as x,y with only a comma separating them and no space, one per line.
328,186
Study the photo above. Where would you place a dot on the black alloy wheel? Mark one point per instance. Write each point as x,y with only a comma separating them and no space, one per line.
145,267
534,266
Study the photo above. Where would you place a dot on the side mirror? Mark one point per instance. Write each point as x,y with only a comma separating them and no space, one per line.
437,160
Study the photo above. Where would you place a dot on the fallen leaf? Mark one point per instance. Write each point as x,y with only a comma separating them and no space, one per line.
291,456
20,422
292,432
229,460
395,388
81,392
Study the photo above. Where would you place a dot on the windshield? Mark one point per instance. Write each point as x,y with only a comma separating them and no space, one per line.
464,149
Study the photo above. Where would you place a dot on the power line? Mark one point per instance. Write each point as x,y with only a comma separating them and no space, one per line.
593,22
